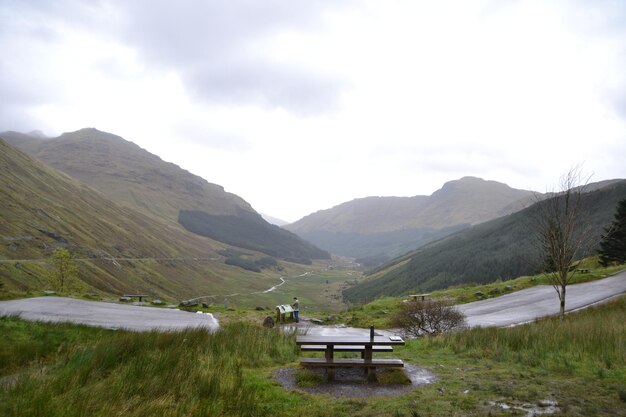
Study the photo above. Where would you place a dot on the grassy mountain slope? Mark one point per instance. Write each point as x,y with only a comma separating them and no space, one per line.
43,208
135,178
499,249
367,226
129,175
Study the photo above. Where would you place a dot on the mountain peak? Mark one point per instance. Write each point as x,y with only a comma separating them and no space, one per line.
470,184
91,133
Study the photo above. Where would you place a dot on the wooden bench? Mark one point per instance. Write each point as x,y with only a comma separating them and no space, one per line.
367,345
339,348
422,297
355,348
129,297
351,363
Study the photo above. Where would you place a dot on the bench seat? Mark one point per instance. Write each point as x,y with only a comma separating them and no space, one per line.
348,348
351,363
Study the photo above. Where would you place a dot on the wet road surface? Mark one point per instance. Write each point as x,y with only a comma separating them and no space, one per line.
510,309
532,303
103,314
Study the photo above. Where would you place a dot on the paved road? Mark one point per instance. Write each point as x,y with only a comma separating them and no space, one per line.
515,308
529,304
103,314
511,309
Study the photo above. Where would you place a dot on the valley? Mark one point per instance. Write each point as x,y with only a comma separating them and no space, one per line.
319,209
135,223
181,239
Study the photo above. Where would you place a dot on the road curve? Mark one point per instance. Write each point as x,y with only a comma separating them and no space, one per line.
540,301
510,309
104,314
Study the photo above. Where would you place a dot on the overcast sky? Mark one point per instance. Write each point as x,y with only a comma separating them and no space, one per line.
298,106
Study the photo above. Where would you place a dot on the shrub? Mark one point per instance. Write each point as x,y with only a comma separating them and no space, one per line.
417,318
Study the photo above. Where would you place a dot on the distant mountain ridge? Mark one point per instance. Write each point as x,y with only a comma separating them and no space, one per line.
498,249
373,226
135,178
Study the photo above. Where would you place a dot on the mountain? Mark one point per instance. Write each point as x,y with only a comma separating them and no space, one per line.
131,176
43,209
128,174
389,226
499,249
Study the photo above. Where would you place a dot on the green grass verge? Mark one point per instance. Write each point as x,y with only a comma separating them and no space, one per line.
69,370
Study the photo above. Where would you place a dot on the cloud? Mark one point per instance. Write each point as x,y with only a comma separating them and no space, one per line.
330,100
223,51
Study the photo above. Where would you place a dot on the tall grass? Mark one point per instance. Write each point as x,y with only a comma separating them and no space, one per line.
187,373
593,339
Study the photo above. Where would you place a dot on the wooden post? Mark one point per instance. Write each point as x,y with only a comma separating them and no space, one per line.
330,371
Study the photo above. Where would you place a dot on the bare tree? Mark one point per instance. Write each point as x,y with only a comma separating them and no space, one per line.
561,231
417,318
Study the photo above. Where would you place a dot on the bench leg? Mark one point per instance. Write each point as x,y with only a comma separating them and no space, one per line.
330,371
367,355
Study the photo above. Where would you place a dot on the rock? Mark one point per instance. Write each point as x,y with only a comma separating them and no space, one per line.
258,308
495,291
205,305
125,298
157,302
55,236
48,292
478,294
268,322
316,321
188,303
509,288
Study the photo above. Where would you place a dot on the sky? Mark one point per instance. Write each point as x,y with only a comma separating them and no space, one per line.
298,106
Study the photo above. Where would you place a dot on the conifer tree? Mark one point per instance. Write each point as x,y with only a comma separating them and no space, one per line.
613,244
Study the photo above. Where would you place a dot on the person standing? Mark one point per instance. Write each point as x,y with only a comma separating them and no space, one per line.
296,309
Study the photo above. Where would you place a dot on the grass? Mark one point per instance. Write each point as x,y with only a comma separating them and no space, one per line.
62,369
99,372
